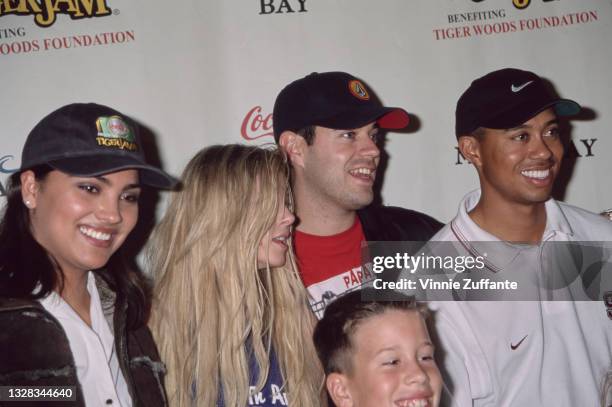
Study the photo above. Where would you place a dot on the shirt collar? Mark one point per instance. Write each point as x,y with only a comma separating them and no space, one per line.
477,241
556,221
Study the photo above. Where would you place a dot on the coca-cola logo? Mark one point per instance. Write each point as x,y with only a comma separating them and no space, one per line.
256,124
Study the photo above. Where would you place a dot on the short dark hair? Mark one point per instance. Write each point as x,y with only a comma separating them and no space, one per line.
308,133
477,133
333,334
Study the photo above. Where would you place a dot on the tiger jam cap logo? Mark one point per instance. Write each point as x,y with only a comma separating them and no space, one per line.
45,11
358,90
114,132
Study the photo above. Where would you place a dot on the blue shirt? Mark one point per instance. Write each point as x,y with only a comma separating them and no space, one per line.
271,395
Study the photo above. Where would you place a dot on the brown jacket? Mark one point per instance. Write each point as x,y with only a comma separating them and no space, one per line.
34,351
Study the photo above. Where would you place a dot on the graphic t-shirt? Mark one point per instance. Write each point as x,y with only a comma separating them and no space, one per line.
331,265
272,394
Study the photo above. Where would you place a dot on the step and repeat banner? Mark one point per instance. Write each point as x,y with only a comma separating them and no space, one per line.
202,72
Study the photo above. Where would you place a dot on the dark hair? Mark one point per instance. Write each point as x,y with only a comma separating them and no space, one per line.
308,133
24,264
478,133
27,271
332,335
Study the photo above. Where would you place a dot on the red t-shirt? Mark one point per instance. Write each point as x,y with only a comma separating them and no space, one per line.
331,265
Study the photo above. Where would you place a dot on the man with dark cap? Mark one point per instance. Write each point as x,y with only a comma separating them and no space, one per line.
531,352
328,124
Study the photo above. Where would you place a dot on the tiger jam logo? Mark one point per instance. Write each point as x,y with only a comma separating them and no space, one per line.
45,11
114,132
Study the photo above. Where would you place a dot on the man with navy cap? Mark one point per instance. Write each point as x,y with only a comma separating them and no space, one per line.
328,124
532,352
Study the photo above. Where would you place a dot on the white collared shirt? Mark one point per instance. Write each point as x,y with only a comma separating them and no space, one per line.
93,350
524,353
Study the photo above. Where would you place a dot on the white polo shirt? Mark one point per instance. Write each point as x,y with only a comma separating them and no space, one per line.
524,353
93,350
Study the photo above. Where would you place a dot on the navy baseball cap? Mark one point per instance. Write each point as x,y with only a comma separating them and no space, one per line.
88,140
336,100
505,99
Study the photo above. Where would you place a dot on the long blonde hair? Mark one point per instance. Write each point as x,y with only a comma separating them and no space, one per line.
212,304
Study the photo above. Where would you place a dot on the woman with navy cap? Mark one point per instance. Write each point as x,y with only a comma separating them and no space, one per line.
72,314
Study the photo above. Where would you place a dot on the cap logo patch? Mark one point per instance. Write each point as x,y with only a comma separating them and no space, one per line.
358,90
520,87
114,132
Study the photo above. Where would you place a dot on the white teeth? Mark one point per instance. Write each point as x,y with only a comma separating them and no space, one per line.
413,403
280,238
94,234
364,171
537,174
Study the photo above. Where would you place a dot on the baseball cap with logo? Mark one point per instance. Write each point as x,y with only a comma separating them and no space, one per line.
505,99
336,100
88,140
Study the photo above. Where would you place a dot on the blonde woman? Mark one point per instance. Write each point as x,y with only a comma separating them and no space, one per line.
230,316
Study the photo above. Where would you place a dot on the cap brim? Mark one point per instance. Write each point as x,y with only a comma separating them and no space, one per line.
567,107
100,165
391,118
518,115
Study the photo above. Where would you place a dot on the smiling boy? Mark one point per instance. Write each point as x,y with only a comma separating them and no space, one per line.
377,353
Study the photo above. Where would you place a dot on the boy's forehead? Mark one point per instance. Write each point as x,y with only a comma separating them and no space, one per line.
391,327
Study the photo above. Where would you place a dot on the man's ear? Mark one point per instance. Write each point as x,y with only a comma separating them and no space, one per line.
338,389
29,188
294,146
469,146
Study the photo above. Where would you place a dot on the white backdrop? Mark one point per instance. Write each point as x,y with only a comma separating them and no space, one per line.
192,70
